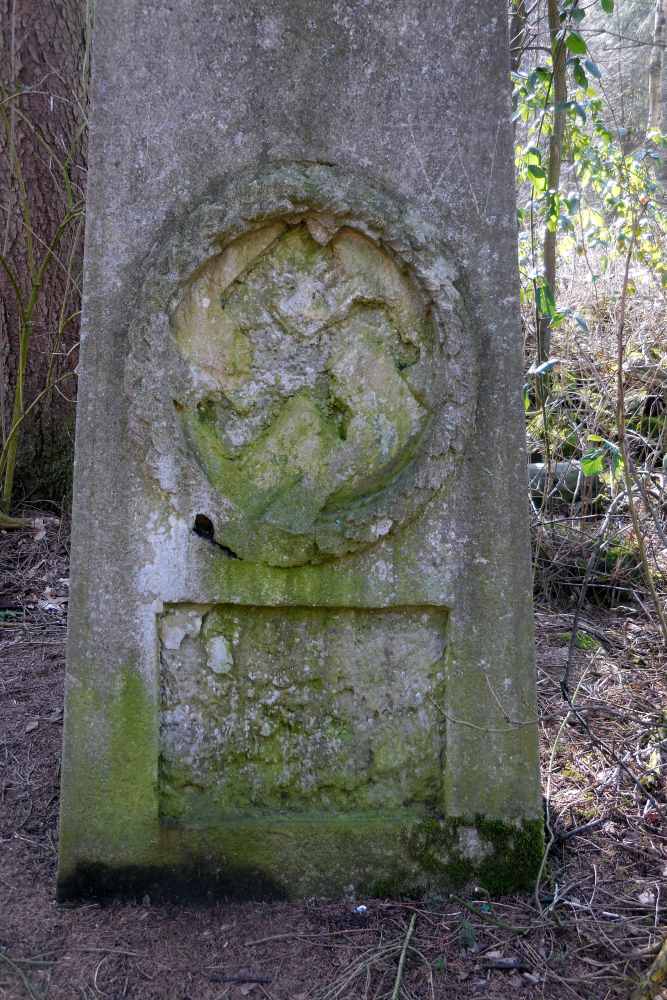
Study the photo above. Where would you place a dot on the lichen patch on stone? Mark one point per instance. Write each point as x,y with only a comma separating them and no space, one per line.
310,352
299,710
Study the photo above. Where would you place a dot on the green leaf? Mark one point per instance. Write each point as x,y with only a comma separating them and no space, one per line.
592,462
527,402
576,43
604,133
584,640
607,6
553,211
579,74
615,457
538,177
546,302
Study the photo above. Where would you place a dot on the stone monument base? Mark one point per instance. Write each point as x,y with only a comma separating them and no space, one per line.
278,858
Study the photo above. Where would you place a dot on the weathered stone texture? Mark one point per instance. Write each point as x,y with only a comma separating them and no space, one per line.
296,710
300,658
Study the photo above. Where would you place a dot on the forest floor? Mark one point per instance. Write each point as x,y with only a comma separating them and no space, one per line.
594,926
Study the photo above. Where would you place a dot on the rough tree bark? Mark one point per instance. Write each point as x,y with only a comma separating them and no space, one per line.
655,67
657,85
518,25
43,58
559,97
662,168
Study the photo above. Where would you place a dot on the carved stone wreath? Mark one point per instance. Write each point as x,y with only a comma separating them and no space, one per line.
317,363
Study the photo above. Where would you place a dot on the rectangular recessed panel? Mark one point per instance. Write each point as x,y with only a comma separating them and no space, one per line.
299,710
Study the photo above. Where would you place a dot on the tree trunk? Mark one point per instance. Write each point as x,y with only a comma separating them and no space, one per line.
559,96
662,151
43,83
655,67
518,24
657,86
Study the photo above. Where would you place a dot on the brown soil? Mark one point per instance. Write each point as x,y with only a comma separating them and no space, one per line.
595,927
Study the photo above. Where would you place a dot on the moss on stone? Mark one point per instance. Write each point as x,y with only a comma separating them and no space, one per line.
120,808
315,309
275,857
508,854
518,852
323,709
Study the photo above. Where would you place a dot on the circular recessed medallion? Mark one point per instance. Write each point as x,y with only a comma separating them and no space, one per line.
316,391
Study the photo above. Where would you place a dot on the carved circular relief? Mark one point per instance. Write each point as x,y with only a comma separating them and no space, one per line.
317,391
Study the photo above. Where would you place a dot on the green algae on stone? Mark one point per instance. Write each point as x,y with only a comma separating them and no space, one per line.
292,748
312,360
503,856
316,709
121,804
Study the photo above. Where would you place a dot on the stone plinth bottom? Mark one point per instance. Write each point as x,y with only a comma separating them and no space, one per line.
284,857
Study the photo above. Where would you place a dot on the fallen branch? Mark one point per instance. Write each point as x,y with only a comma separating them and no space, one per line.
8,523
568,834
396,992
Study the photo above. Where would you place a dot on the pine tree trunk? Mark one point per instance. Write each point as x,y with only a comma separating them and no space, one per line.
43,60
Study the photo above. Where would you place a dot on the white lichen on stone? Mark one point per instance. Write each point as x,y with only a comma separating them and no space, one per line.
471,845
219,657
175,626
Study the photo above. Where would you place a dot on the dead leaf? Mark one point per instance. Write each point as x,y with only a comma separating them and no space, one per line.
32,725
39,531
51,601
247,988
